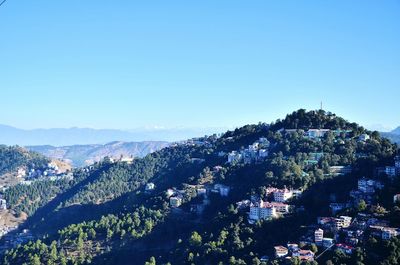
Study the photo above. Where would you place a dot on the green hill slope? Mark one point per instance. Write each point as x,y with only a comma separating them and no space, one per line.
106,217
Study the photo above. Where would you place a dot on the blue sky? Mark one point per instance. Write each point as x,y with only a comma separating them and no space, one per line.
128,64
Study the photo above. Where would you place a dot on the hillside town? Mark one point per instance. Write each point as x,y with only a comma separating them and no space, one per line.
8,221
345,233
255,152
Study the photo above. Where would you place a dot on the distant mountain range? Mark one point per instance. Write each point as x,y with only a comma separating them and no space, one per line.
396,131
393,135
83,136
80,155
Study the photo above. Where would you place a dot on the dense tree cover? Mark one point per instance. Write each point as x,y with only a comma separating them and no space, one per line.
78,243
222,234
301,119
122,178
14,157
29,198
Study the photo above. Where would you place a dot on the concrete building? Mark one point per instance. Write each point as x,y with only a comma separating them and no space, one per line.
267,210
281,251
262,211
343,222
282,195
340,170
318,236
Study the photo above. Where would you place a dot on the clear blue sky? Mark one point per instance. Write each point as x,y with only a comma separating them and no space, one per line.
128,64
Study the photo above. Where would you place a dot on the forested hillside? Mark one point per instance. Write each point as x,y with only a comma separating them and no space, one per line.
14,157
193,213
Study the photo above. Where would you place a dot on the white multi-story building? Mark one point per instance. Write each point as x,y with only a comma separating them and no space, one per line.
281,208
318,236
267,210
282,195
343,222
262,211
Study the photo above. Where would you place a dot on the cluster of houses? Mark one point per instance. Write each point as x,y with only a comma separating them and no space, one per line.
274,207
255,152
176,196
390,171
51,172
365,190
68,176
123,159
206,142
293,251
316,133
344,232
